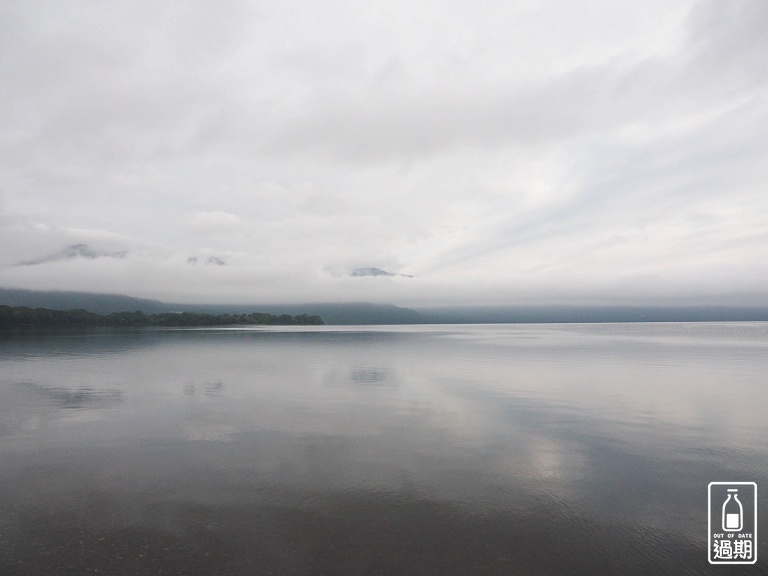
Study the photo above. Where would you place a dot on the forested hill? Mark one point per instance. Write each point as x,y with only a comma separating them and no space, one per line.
331,313
99,303
23,316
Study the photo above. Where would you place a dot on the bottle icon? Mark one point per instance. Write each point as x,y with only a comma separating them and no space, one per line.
733,512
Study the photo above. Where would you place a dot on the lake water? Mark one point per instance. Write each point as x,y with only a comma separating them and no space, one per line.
495,449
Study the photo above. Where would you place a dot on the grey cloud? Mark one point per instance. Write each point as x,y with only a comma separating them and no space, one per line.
730,41
141,95
447,117
493,152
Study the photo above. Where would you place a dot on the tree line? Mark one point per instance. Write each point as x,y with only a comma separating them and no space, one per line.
19,316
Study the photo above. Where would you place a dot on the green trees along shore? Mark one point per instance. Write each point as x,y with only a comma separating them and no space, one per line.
22,316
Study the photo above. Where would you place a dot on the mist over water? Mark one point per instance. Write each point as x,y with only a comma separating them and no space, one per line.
495,449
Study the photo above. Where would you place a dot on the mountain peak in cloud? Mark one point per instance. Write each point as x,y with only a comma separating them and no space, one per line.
74,251
210,260
376,272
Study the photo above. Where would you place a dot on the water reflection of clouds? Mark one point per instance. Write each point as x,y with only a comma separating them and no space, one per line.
31,412
82,397
635,384
209,388
287,380
457,417
369,375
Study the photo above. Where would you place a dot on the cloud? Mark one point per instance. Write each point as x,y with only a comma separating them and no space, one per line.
509,151
213,222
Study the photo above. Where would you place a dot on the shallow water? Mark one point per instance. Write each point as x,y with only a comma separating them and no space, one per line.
495,449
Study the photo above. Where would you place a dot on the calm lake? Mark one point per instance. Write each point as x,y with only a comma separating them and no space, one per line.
425,450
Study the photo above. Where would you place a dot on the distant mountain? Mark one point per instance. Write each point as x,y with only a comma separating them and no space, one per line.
571,314
375,272
351,313
362,313
99,303
366,313
344,314
26,317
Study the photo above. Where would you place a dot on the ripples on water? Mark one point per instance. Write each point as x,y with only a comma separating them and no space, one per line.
503,449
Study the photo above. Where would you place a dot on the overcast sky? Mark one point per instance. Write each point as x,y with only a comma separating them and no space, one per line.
498,152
